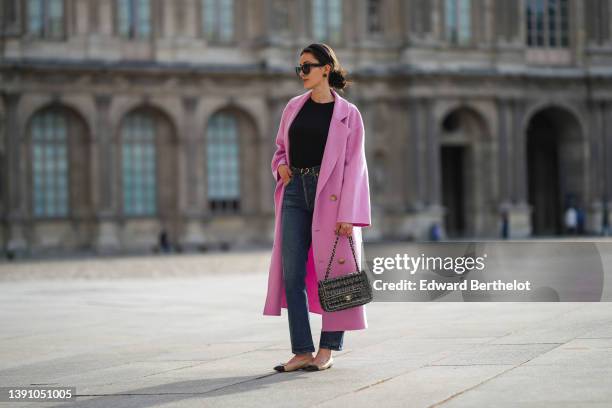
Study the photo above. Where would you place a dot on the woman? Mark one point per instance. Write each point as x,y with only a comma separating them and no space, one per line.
322,193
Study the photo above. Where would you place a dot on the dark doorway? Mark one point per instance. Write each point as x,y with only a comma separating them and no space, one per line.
543,180
453,189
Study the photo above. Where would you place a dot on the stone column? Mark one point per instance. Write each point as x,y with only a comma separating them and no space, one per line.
601,169
354,23
577,31
608,18
607,141
382,179
302,20
433,156
519,193
516,25
16,203
191,22
486,14
433,213
417,152
406,224
168,19
520,212
505,175
506,125
268,147
437,21
104,176
593,201
81,17
191,209
105,17
3,170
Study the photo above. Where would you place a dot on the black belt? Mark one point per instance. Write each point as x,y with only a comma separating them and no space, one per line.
307,170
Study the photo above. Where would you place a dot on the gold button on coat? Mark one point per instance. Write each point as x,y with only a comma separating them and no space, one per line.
341,260
333,197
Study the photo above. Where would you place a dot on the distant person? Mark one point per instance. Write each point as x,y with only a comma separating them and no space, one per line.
435,233
580,220
164,242
505,227
571,220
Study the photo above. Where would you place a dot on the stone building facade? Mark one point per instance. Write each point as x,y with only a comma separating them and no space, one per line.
122,118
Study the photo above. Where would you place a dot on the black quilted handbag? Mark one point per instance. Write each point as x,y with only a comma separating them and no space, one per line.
346,291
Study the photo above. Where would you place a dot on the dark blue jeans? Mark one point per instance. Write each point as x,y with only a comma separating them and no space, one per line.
297,211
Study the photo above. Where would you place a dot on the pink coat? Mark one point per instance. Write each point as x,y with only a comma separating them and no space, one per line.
342,195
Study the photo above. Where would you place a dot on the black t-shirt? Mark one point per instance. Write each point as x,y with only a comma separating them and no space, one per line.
308,133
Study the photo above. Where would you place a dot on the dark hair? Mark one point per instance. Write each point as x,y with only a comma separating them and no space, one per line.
325,55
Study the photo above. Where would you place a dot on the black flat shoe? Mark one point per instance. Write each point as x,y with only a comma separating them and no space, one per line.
285,368
325,366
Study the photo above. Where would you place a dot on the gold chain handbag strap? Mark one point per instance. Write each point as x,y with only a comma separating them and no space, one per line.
350,237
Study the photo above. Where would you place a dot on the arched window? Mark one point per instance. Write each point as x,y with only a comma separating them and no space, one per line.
138,164
327,20
217,17
46,18
223,165
547,23
458,21
134,18
49,164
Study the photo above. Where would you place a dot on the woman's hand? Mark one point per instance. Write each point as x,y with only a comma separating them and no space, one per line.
285,172
344,228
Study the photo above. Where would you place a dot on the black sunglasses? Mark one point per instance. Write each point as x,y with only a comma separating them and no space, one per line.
305,68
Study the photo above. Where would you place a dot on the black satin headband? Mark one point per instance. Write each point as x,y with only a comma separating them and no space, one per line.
322,54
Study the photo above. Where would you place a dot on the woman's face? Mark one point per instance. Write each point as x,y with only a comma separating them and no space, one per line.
315,77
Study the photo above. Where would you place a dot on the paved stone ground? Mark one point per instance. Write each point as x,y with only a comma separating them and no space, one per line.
160,331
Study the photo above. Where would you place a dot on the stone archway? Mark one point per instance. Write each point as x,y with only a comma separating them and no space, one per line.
467,174
147,176
230,164
234,123
555,168
59,197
